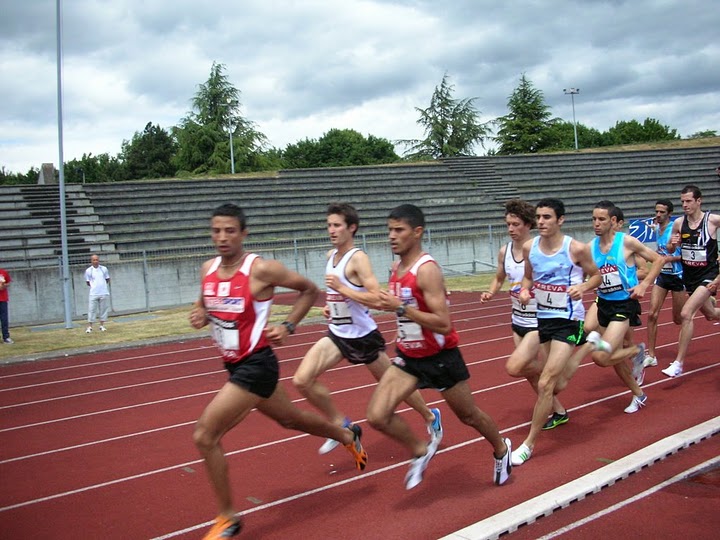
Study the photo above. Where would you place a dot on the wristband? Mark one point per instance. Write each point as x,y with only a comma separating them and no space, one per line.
290,326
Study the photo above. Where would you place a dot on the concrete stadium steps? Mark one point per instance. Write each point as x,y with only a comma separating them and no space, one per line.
458,194
30,220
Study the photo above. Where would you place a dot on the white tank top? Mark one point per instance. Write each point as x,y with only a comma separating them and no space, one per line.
348,318
524,315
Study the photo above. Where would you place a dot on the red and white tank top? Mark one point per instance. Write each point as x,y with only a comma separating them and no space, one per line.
413,340
237,320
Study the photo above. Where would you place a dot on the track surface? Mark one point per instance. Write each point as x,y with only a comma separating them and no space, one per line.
99,446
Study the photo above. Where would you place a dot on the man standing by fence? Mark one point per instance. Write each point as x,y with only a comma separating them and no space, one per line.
98,278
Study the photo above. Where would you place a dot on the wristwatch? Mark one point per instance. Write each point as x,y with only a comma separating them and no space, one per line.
290,326
400,310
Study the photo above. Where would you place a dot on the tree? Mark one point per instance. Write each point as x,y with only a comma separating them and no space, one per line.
452,126
339,148
149,154
560,135
524,128
703,134
632,132
203,136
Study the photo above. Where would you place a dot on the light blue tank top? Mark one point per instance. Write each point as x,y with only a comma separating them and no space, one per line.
617,276
673,268
552,276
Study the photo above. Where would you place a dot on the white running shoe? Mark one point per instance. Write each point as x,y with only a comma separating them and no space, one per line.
331,444
89,330
102,328
435,428
639,364
636,404
521,455
598,343
675,369
503,467
649,361
418,465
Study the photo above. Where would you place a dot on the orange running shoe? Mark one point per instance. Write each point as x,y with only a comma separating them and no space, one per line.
224,528
356,448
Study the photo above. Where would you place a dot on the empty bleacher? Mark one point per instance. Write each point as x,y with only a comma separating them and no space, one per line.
456,194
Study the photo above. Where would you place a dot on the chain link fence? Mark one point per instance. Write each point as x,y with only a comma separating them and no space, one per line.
144,281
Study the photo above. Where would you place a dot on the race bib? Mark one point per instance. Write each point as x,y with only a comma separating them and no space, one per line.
611,281
226,338
551,297
339,312
694,255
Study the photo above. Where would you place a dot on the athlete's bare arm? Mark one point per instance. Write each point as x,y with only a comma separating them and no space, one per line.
198,314
265,275
637,248
499,278
582,256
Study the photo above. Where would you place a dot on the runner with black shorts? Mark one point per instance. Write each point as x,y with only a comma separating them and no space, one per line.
428,353
236,296
352,332
696,235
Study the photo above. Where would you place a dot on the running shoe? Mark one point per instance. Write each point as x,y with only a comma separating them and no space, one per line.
675,369
8,341
330,444
521,455
88,330
102,328
503,467
636,404
638,363
641,379
418,465
649,361
223,528
556,420
356,448
598,343
435,428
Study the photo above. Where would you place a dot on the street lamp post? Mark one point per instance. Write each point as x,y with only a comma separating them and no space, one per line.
230,129
572,92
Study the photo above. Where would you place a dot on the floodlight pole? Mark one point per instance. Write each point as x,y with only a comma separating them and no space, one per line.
572,92
230,129
61,170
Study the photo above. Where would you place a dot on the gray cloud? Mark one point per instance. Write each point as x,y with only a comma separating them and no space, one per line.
305,67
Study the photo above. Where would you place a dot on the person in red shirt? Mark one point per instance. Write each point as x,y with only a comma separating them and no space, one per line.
4,300
427,351
237,290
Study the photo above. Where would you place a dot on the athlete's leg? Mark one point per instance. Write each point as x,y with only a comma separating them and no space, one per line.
414,400
394,387
321,357
230,406
557,359
460,400
528,360
657,298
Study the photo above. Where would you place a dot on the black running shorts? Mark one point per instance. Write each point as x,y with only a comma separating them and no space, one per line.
363,350
258,373
564,330
618,310
440,371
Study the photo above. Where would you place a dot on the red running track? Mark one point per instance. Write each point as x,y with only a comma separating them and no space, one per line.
99,445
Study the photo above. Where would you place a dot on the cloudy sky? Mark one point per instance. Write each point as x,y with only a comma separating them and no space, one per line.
306,66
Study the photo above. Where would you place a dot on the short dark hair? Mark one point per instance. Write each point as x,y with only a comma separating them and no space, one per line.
231,210
690,188
550,202
667,203
347,211
522,209
408,213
